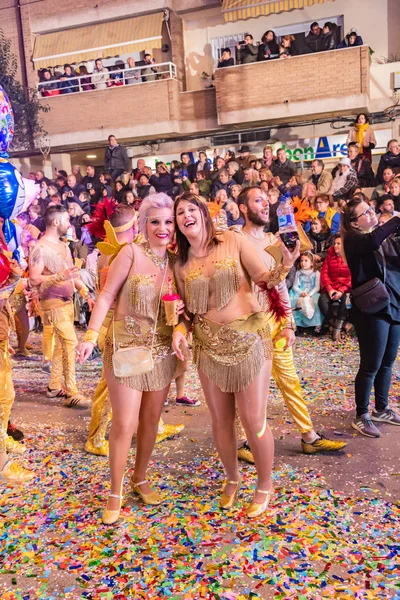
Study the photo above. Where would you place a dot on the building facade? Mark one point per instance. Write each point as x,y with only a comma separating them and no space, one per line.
182,101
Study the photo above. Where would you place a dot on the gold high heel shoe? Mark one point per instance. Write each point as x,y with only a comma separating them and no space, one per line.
109,517
227,501
153,498
255,509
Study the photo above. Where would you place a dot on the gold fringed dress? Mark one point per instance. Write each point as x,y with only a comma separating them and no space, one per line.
136,302
232,337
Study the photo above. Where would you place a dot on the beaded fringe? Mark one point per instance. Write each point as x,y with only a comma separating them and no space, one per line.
142,298
227,282
236,377
197,294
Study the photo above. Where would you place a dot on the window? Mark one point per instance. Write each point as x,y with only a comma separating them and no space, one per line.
225,41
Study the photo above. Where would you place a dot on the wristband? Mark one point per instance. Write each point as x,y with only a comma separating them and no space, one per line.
181,328
278,275
51,280
91,336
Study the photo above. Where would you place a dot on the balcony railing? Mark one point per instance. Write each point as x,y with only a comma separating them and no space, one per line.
107,79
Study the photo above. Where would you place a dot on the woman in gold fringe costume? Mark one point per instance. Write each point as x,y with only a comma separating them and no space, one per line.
232,338
135,282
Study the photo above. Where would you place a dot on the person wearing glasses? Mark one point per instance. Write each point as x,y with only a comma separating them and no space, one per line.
373,251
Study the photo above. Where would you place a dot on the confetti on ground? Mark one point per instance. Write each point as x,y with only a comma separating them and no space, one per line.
317,541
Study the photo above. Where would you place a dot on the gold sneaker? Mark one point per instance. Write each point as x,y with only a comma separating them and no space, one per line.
102,450
245,454
12,472
168,432
322,444
14,447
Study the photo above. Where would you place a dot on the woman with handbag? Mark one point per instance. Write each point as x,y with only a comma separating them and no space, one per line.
232,337
137,357
372,254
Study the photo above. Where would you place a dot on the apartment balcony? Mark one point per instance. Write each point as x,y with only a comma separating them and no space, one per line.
130,111
310,85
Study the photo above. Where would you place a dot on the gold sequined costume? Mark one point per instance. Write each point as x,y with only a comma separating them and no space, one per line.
135,314
57,312
7,394
283,369
232,335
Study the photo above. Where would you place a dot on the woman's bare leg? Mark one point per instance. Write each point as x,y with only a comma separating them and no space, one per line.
125,403
149,416
252,404
222,408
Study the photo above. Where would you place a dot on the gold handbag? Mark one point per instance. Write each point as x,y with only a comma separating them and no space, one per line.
129,362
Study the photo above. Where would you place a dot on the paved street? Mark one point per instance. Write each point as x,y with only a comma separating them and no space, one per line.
332,531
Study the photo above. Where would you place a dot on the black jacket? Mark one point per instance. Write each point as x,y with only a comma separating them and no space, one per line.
365,262
388,160
284,170
329,41
270,48
116,158
314,42
226,63
91,182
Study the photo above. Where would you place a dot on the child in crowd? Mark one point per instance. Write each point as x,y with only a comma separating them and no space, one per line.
335,286
304,294
321,238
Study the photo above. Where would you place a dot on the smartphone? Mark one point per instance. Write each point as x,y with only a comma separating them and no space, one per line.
289,238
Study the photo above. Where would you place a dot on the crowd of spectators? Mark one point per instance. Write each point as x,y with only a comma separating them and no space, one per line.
321,285
73,80
317,40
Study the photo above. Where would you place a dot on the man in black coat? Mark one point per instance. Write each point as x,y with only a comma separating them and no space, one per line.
282,167
390,159
314,38
116,160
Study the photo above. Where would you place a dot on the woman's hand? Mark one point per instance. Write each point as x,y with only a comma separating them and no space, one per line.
71,273
178,340
288,335
83,351
289,258
303,294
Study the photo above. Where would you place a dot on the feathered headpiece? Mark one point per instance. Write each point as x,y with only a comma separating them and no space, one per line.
103,211
302,210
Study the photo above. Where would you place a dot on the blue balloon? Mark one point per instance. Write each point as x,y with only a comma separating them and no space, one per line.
12,191
12,199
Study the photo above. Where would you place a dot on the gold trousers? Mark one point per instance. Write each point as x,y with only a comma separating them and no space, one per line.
101,408
7,393
59,322
287,381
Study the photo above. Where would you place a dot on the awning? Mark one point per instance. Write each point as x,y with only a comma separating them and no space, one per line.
98,41
236,10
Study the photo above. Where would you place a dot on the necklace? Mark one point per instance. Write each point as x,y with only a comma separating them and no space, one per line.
159,262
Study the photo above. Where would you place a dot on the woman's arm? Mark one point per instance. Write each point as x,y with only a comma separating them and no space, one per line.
360,243
255,266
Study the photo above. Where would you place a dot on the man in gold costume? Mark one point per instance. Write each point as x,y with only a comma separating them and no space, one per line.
254,207
52,271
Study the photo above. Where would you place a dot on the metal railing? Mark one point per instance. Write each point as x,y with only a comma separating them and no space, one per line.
106,79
